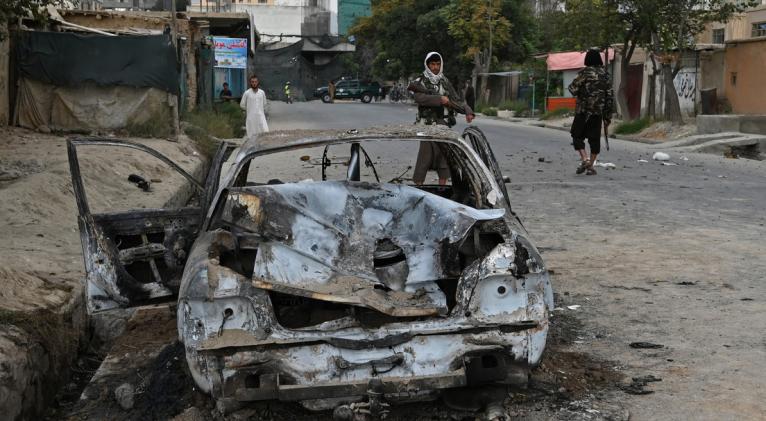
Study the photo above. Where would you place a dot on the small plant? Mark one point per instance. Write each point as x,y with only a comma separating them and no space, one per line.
159,125
518,107
490,111
206,144
632,127
225,121
558,113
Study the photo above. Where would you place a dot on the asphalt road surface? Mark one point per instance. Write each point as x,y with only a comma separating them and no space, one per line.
670,255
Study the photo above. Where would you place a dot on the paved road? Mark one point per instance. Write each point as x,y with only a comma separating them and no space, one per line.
673,255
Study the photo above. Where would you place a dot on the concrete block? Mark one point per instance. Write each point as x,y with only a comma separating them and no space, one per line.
717,123
754,124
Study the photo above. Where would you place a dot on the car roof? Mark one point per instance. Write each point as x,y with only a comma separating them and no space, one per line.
295,139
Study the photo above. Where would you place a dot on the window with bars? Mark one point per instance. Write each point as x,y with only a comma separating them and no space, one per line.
759,29
718,36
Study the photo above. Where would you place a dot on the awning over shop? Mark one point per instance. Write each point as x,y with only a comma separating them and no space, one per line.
571,60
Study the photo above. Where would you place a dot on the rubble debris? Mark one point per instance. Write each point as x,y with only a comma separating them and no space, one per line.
305,158
574,307
541,159
140,181
636,387
123,394
626,287
645,345
669,164
686,283
607,165
661,156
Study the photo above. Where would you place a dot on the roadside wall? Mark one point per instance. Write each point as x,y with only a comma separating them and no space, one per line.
686,82
150,21
743,77
711,71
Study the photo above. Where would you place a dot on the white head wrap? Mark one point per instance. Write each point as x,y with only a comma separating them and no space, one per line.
435,79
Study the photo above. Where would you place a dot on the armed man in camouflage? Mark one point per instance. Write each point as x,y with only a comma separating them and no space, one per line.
595,105
437,104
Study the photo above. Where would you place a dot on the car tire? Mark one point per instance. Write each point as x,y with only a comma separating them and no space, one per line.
326,98
366,98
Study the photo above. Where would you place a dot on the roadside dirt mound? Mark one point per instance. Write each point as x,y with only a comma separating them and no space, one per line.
23,291
42,316
665,130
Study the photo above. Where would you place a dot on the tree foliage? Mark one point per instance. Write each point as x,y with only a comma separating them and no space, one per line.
12,9
471,23
401,32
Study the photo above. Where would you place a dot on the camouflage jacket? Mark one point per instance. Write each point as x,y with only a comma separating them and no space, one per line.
593,89
428,97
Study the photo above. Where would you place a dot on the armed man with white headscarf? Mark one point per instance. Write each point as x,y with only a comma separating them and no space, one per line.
437,104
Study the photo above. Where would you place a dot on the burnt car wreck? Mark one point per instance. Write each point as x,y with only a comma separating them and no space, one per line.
335,291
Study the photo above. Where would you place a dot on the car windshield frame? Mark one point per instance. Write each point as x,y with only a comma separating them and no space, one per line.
488,189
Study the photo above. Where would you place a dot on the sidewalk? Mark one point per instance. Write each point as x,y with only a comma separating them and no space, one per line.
680,138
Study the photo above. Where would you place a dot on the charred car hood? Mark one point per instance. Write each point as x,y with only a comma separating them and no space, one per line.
382,246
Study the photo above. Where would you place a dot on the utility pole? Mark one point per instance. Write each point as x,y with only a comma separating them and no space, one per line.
174,36
489,18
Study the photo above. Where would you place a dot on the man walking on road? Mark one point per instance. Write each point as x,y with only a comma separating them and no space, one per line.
595,104
435,95
254,103
287,93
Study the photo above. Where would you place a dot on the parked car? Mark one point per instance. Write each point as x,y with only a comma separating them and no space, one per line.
350,89
359,285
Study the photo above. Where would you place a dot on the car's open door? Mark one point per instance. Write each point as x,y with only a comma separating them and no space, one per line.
137,255
478,141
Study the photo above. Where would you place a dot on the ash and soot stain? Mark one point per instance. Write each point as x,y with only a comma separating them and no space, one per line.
557,389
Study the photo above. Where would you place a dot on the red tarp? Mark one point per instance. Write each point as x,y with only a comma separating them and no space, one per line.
571,60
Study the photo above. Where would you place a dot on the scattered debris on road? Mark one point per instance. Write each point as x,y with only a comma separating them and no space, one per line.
661,156
636,387
139,181
645,345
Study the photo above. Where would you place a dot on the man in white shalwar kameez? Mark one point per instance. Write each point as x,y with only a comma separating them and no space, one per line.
254,103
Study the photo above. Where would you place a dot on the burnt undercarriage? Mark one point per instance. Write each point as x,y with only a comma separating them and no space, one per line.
326,293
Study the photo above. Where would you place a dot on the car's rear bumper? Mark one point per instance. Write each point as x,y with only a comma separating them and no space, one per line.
271,389
412,370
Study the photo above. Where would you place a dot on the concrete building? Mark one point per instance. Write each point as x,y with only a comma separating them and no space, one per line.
735,66
280,22
349,11
750,24
743,82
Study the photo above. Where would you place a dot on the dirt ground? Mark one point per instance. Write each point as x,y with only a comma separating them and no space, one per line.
671,262
41,267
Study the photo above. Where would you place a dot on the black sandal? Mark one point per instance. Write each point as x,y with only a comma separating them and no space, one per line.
583,166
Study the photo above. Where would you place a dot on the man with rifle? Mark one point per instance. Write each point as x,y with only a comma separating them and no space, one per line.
595,105
437,104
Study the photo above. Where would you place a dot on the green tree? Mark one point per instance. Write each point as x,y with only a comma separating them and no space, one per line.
663,27
479,28
675,28
401,32
601,23
12,9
